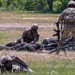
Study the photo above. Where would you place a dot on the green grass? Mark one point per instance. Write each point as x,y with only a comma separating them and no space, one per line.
55,67
31,14
27,18
28,15
59,67
41,64
9,36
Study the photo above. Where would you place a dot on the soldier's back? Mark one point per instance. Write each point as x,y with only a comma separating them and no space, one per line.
28,36
70,15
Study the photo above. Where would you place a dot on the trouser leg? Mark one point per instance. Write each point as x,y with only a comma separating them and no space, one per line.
61,42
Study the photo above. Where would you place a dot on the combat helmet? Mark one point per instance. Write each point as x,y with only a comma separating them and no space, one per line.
5,59
34,27
71,3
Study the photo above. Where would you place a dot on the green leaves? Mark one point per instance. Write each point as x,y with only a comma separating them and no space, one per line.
60,5
34,5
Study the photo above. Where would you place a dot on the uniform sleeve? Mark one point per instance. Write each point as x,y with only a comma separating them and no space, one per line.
62,16
24,35
36,38
19,61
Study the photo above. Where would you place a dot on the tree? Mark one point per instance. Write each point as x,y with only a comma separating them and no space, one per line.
8,2
34,5
50,3
60,5
1,3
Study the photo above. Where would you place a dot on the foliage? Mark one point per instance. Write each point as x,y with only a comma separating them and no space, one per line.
1,3
41,5
36,5
60,5
32,5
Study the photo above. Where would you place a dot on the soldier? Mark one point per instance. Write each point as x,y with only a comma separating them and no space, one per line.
13,63
6,64
67,18
31,35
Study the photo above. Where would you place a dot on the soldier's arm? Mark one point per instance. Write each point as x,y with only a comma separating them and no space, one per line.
24,35
36,38
62,16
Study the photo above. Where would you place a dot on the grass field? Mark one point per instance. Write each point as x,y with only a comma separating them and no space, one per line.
41,63
27,18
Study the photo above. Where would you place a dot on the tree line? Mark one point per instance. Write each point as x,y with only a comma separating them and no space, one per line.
54,6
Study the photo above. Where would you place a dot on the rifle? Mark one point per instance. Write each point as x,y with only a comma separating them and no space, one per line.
57,34
57,31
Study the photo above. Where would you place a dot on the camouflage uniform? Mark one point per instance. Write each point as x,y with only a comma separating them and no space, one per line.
6,62
68,25
31,35
13,63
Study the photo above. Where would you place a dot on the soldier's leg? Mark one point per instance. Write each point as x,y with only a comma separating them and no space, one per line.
63,38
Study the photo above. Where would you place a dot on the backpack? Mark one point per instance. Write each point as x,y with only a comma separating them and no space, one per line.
70,16
49,43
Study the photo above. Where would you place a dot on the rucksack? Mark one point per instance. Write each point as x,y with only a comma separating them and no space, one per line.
49,43
70,16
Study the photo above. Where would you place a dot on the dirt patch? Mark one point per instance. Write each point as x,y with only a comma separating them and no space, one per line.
33,56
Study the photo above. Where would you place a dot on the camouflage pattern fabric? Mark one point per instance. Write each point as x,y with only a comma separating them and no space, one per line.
30,35
67,18
67,30
12,63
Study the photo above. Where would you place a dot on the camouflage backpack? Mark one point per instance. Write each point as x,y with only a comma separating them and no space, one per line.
70,16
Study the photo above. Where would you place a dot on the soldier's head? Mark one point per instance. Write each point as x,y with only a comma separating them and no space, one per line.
71,3
7,62
34,27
